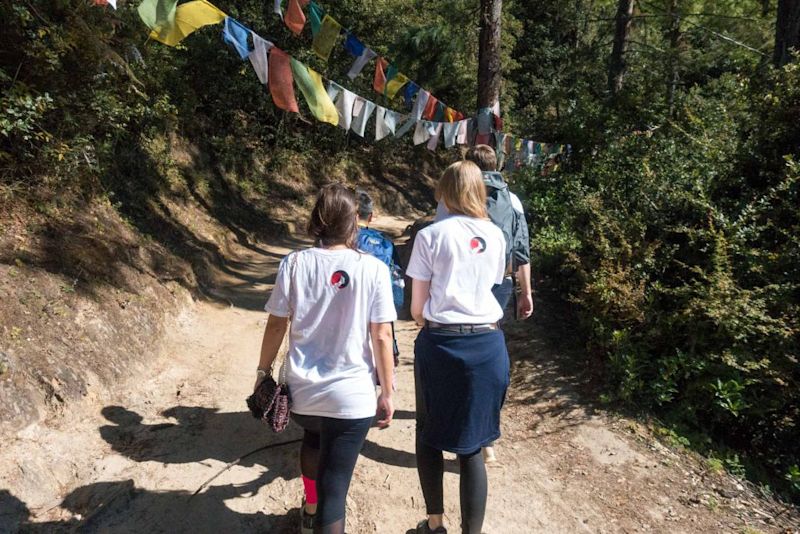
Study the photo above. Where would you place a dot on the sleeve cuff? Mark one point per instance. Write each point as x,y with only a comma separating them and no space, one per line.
276,312
384,319
418,276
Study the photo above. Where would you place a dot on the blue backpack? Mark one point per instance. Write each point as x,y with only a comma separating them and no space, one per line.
373,242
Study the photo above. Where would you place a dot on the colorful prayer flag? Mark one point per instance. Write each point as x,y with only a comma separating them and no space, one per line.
344,106
315,15
434,140
421,133
438,115
158,15
406,127
449,115
258,58
360,62
362,109
485,121
326,38
234,34
310,83
353,45
294,18
188,18
450,132
394,84
385,123
420,104
408,94
280,80
430,108
463,126
379,80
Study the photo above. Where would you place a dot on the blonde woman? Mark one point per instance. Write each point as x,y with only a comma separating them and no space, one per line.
461,364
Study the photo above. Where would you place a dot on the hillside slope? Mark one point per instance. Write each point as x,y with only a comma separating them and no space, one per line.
88,288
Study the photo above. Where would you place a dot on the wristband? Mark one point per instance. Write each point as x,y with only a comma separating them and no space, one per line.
261,373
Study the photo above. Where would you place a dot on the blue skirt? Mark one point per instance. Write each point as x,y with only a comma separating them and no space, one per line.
461,382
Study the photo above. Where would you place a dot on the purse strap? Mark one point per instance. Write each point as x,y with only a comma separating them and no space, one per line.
292,270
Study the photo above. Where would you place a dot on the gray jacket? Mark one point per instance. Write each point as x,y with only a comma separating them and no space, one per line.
505,210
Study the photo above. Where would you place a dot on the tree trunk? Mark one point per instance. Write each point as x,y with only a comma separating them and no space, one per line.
616,64
787,31
489,54
673,34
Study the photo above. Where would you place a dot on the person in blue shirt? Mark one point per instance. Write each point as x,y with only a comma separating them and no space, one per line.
375,243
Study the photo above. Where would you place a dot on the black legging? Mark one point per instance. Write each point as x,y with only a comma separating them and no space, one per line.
473,486
328,456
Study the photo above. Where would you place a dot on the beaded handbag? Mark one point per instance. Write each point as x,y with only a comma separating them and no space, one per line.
271,401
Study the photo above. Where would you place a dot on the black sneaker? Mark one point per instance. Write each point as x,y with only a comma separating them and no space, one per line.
423,528
307,521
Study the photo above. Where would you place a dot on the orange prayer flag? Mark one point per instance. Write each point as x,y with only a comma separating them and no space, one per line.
294,18
449,115
280,80
379,82
430,108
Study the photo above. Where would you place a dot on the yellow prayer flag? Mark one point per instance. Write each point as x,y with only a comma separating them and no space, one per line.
326,37
189,17
395,84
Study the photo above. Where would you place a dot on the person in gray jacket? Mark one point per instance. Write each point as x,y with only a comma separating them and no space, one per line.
506,211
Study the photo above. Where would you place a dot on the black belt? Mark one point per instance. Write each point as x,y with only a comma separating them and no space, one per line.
460,328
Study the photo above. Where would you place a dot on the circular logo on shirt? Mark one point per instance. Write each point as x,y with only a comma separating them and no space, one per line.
340,279
477,245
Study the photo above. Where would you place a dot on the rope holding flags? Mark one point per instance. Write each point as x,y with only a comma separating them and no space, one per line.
433,122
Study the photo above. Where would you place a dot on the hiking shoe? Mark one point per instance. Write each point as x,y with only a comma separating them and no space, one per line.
423,528
488,455
307,521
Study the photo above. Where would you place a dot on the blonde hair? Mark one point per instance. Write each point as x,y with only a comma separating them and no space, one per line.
462,190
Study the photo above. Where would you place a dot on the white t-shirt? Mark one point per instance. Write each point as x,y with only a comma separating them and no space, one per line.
335,295
463,258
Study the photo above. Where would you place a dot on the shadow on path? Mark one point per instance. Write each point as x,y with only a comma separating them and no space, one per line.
121,507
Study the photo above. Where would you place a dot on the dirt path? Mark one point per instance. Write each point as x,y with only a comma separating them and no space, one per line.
132,463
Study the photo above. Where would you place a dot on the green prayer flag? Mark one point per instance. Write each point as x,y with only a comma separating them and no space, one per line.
315,15
158,15
310,83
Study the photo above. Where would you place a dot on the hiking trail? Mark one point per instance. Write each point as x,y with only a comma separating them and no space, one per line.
132,462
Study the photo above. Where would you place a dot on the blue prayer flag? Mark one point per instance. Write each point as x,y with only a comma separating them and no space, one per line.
353,45
409,92
234,34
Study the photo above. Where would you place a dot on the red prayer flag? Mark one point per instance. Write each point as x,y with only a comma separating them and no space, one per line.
281,80
294,18
430,108
379,82
498,123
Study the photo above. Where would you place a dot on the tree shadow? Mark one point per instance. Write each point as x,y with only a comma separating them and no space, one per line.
199,434
398,458
121,507
549,373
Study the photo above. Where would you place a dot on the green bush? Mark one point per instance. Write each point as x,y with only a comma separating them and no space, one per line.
682,249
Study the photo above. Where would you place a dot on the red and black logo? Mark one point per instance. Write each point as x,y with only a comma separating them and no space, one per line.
477,245
340,279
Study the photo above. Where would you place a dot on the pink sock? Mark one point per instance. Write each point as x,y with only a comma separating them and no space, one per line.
310,487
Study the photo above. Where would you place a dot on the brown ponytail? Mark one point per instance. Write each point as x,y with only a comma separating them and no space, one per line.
333,219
